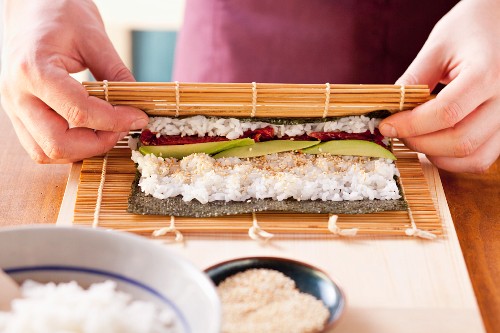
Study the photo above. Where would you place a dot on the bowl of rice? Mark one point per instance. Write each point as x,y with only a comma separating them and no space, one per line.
271,294
92,281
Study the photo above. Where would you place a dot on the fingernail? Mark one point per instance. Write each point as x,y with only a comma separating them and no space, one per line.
388,130
139,123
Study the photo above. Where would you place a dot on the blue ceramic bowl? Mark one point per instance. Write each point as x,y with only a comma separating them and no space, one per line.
142,268
308,279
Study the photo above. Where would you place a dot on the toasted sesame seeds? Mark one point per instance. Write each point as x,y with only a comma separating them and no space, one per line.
265,300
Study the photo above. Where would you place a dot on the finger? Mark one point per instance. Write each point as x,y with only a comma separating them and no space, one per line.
464,94
424,69
463,139
26,140
101,57
70,99
58,141
103,60
30,146
478,162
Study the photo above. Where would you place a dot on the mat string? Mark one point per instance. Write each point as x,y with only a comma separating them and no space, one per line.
402,98
100,189
106,90
415,231
256,232
254,99
179,237
334,229
327,100
177,99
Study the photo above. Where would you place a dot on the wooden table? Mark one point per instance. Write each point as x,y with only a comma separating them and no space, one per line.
474,201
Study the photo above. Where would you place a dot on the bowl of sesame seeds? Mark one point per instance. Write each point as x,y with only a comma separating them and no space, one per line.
271,294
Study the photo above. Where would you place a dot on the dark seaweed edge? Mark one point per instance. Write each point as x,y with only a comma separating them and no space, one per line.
292,121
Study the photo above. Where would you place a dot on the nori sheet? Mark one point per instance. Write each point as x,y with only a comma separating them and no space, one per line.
140,203
293,121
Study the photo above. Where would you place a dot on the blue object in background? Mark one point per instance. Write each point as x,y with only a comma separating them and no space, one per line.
153,55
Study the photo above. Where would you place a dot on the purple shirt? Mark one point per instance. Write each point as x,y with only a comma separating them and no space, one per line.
303,41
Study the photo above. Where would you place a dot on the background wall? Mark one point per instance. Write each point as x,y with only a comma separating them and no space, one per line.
144,34
122,17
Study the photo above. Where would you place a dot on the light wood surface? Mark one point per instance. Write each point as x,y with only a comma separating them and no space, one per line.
31,193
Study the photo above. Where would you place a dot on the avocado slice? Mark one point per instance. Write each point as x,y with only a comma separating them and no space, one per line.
180,151
265,148
350,147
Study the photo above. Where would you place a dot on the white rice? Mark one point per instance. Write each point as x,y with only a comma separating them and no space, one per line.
276,176
68,308
233,128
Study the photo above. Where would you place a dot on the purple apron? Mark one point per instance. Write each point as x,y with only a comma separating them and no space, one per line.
303,41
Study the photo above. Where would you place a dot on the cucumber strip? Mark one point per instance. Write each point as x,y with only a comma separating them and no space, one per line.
265,148
350,147
180,151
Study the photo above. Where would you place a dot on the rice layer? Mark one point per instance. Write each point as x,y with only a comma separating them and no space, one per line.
233,128
277,176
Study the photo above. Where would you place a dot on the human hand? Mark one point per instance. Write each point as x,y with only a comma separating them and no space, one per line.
459,129
54,117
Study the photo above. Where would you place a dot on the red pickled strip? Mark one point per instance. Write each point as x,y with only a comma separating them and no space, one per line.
260,134
149,138
303,137
376,137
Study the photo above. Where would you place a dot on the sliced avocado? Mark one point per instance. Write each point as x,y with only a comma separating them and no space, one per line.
265,148
180,151
350,147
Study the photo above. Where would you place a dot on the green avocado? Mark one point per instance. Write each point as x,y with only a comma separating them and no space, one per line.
265,148
180,151
350,147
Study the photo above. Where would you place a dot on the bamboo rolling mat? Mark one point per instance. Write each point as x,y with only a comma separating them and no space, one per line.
259,100
120,172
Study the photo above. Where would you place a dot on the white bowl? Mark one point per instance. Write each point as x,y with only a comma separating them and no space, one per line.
140,267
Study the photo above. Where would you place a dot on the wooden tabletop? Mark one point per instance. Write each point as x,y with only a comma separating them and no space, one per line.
31,193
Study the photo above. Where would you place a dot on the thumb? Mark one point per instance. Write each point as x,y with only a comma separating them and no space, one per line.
427,68
104,62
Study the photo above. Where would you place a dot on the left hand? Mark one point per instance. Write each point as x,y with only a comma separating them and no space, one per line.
459,129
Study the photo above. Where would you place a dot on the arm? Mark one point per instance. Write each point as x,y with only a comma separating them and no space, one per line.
53,115
459,129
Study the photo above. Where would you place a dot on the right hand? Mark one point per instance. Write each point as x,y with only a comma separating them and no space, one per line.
53,115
